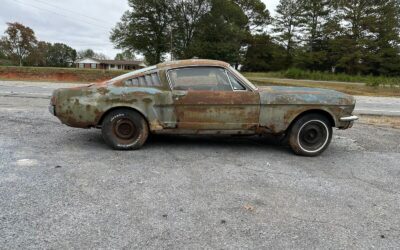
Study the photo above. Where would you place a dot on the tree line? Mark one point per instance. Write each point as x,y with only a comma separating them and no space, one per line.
19,46
350,36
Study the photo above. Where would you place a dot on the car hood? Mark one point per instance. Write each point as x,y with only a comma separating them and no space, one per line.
302,95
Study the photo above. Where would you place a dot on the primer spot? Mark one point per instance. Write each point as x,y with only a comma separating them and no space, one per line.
27,162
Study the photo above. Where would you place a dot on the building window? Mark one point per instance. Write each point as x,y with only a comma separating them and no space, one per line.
93,66
81,65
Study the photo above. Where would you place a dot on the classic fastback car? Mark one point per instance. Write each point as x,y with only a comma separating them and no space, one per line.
202,97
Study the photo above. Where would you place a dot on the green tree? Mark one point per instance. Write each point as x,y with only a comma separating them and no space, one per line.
18,42
186,16
3,58
312,21
263,54
2,54
353,44
221,33
386,59
286,25
257,14
87,53
125,55
144,29
61,55
39,54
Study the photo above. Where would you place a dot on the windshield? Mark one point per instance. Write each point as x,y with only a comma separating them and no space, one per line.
133,73
251,85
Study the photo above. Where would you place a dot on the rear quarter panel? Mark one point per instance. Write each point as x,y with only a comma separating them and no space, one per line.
85,107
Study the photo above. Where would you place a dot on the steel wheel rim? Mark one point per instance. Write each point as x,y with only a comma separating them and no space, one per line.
313,136
124,129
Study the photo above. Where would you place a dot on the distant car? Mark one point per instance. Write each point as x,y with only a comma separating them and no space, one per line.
202,97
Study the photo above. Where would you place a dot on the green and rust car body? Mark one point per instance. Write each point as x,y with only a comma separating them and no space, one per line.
263,110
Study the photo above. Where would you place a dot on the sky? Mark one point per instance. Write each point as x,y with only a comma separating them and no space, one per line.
80,24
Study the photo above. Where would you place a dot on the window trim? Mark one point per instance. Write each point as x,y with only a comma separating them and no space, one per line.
236,90
247,88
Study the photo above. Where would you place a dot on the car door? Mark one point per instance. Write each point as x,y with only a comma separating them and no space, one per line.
204,99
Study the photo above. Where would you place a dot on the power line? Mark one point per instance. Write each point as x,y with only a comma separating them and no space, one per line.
58,13
71,11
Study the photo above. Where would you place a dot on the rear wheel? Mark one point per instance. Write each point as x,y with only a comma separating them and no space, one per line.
125,129
310,135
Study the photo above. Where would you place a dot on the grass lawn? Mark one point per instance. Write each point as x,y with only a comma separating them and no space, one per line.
294,73
389,121
345,87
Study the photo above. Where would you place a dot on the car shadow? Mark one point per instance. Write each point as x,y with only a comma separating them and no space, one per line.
90,139
216,141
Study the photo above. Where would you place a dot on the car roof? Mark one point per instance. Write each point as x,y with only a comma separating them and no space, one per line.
192,62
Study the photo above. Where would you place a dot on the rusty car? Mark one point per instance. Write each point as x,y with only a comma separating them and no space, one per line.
202,97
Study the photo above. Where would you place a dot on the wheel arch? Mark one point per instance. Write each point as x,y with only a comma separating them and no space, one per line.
322,112
100,122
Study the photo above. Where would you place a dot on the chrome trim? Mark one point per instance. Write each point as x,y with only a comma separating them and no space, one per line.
349,118
240,82
229,80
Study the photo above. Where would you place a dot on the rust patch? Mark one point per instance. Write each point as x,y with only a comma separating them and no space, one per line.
103,90
218,98
155,125
217,110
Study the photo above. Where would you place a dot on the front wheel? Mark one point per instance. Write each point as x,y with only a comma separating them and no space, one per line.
124,129
310,135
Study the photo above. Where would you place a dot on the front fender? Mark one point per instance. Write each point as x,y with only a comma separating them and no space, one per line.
280,106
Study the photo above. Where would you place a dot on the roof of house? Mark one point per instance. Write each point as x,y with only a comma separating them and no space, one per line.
120,62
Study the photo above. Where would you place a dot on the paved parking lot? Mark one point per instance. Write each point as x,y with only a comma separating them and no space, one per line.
64,188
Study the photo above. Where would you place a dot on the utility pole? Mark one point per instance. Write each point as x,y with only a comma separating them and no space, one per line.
171,43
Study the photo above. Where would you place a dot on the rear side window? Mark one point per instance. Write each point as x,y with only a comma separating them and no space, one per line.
149,80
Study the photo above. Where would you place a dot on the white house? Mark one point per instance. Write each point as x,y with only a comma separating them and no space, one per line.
91,63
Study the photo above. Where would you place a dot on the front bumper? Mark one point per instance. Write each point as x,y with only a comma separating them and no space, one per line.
349,118
347,122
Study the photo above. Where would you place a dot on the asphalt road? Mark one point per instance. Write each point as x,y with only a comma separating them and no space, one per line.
365,105
64,188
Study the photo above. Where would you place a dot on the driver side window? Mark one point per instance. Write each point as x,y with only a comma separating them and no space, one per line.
199,78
